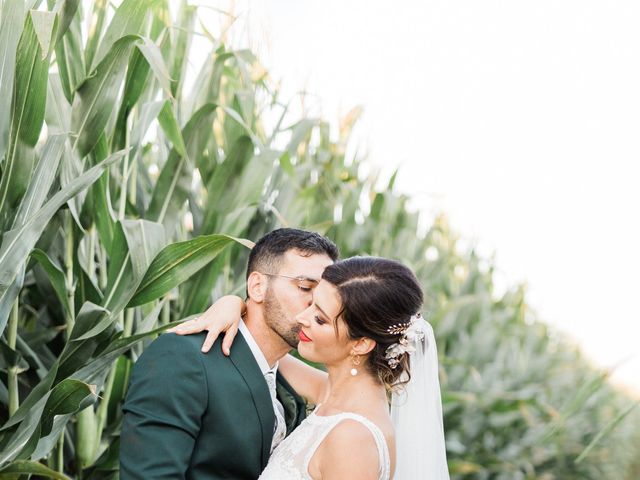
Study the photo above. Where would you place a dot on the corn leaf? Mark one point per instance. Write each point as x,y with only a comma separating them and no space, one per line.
70,57
176,263
606,430
174,183
17,243
128,20
96,96
42,179
96,27
11,18
28,467
55,274
27,112
66,397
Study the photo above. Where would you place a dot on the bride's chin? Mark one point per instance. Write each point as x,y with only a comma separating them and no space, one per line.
306,352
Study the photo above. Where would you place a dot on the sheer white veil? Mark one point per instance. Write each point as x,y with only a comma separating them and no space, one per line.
416,412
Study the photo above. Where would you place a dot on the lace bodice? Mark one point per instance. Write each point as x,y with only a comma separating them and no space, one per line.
290,460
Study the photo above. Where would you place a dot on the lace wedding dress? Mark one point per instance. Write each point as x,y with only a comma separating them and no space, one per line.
290,460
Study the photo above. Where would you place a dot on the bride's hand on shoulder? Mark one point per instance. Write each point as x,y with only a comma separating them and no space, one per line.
223,316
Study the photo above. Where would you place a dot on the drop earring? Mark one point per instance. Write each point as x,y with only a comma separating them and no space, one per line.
355,361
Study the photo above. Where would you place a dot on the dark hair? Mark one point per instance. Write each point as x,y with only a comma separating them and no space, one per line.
376,293
268,252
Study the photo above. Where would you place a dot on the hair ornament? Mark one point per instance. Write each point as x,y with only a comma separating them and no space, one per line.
410,333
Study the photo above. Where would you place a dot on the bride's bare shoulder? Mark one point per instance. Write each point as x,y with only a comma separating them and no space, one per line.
348,451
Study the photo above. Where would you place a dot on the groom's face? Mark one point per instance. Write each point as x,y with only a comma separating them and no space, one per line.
290,292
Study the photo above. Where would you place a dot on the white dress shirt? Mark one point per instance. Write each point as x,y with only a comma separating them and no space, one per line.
269,373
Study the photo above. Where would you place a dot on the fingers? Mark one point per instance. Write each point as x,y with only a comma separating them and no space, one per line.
188,327
210,340
228,339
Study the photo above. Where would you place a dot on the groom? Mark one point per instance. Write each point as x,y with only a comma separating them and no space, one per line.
194,416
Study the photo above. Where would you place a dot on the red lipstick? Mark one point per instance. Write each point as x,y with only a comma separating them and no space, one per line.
303,337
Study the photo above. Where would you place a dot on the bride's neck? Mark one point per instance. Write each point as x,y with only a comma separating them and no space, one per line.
348,393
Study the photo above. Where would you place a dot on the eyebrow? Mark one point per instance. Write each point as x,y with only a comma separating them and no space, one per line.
323,312
302,277
310,279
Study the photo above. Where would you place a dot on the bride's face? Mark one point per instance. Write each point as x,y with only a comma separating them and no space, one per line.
318,326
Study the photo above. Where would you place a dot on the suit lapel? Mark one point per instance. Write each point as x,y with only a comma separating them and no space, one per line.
295,408
245,363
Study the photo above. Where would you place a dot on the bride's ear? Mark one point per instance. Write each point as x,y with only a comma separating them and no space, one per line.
363,346
257,286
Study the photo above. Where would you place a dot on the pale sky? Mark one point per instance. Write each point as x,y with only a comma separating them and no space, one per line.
518,119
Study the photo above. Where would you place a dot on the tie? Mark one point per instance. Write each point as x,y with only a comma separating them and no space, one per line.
279,429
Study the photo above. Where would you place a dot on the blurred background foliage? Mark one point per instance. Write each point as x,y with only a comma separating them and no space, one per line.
124,198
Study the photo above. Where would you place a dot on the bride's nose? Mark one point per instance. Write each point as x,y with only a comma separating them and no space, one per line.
303,317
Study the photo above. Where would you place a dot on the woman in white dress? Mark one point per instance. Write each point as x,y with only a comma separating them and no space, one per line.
363,324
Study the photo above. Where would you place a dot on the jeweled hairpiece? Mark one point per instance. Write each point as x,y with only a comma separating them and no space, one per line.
398,328
410,333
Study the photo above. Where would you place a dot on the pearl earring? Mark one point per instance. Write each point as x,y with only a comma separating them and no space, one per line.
355,360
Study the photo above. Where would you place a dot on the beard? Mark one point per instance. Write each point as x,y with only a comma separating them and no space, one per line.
277,319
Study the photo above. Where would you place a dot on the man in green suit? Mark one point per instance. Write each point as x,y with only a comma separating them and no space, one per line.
194,416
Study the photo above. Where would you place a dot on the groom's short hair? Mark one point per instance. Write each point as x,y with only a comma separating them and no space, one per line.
267,254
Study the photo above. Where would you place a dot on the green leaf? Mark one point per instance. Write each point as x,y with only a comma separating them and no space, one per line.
55,274
58,110
174,184
153,56
171,128
176,263
238,118
8,296
136,81
27,467
227,178
300,132
180,45
606,430
70,58
67,10
12,358
96,97
98,17
27,112
66,397
104,217
128,19
144,240
147,114
135,244
120,273
42,179
286,165
11,19
17,243
43,25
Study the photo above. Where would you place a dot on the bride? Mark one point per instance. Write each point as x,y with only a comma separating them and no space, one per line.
364,326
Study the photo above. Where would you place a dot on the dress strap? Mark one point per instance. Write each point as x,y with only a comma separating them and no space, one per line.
384,462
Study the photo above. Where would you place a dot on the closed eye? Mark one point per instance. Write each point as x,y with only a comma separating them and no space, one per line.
318,320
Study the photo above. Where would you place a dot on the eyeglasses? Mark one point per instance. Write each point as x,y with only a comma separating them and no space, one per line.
304,283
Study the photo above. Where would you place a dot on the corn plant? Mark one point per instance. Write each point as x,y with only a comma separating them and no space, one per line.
126,194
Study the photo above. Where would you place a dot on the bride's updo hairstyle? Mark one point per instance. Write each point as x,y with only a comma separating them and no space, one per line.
377,295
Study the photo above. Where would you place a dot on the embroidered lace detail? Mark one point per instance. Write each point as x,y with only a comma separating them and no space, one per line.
290,460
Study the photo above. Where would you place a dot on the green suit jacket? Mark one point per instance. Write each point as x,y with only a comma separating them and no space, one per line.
195,416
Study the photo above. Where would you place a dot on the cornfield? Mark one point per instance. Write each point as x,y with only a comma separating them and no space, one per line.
125,202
